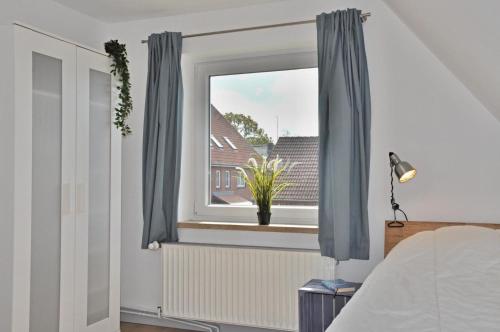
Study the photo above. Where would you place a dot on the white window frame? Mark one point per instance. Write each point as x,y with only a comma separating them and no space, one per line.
216,141
203,209
227,179
240,182
217,179
231,144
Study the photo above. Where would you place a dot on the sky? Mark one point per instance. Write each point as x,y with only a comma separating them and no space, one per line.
283,103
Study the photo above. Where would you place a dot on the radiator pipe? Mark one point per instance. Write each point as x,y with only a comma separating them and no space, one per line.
159,315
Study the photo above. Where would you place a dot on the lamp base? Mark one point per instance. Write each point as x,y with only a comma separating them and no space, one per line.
396,223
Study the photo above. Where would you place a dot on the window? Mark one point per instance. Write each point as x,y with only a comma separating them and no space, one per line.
230,143
240,182
264,107
272,113
217,179
228,179
216,141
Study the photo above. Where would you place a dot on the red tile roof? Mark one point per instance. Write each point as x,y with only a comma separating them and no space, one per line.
304,176
226,155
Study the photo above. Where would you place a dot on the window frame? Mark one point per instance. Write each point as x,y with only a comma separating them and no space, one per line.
240,182
230,143
203,209
216,141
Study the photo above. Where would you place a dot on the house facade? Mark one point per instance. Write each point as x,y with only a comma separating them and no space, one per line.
228,150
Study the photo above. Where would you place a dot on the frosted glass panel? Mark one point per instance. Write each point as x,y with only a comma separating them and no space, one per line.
99,197
46,194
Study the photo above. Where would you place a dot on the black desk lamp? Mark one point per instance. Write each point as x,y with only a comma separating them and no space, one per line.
405,172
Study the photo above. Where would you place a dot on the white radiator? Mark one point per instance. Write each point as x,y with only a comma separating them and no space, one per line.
241,286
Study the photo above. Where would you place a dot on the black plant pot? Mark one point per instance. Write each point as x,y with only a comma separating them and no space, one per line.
264,217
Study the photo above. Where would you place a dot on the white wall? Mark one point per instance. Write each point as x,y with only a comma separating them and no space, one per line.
420,110
49,17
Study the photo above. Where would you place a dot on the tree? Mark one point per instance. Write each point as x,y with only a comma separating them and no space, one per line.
248,128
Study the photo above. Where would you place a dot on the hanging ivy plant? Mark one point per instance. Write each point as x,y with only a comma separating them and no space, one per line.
119,68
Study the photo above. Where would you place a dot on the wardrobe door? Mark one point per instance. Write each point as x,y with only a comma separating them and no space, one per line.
98,198
45,118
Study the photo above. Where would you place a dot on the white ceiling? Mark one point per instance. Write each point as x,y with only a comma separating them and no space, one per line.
126,10
465,36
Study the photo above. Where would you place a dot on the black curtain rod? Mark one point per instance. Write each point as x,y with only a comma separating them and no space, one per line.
364,17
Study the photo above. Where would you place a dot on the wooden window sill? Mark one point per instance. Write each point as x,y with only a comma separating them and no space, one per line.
230,226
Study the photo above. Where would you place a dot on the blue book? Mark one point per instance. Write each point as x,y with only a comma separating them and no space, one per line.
336,284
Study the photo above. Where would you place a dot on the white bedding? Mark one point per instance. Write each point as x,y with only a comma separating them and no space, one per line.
444,280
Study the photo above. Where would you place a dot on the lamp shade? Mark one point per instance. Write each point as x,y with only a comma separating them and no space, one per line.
403,169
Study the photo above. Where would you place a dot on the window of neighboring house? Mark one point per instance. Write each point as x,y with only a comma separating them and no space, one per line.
228,141
216,141
240,182
217,179
228,179
257,108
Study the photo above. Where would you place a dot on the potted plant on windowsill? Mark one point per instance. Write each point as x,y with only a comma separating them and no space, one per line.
264,183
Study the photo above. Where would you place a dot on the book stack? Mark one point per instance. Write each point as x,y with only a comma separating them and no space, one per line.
339,286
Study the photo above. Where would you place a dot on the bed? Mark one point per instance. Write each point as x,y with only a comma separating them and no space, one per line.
447,279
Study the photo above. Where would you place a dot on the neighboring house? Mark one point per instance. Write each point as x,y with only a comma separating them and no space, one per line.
264,149
304,175
228,149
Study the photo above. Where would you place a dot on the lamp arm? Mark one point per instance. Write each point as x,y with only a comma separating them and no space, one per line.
394,205
404,213
393,200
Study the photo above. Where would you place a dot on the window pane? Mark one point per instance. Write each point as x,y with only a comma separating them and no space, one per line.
228,179
217,179
240,182
46,194
264,115
99,194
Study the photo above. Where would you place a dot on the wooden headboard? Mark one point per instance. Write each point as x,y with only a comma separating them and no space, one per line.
395,234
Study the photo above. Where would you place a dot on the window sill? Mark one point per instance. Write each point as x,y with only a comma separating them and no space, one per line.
230,226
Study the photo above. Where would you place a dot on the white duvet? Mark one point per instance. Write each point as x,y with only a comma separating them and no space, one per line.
444,280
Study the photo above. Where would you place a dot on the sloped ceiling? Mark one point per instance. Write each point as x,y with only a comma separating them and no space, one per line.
465,36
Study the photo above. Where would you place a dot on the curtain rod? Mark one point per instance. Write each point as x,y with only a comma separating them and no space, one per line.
364,17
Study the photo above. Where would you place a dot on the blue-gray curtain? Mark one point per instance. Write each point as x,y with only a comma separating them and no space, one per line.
344,136
161,155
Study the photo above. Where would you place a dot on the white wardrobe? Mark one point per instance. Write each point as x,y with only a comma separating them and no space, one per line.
67,189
